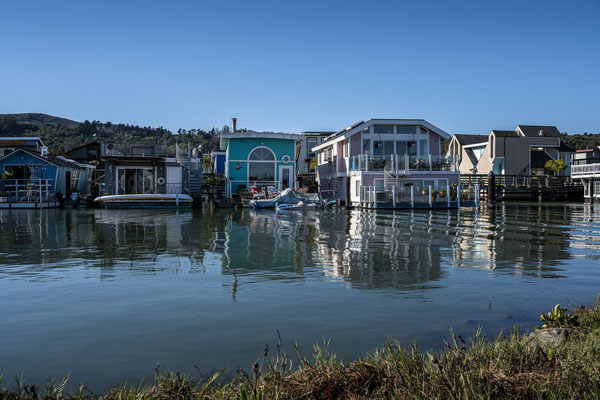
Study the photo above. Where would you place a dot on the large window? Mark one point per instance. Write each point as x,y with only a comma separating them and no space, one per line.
135,180
261,165
401,147
366,146
423,150
383,129
388,147
377,148
406,129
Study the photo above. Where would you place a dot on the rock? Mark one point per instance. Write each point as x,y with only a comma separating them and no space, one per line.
550,336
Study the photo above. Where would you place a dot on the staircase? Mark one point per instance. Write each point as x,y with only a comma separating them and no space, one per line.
193,186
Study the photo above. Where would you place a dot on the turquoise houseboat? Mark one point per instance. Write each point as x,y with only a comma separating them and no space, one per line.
259,159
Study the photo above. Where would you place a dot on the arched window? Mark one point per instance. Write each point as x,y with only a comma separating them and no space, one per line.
261,165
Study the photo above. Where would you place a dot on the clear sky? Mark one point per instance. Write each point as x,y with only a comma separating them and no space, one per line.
465,66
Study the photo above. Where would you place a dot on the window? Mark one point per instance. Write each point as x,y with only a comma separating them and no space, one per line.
357,188
366,146
75,177
346,148
262,154
135,180
383,129
423,131
423,150
310,143
377,148
412,148
442,184
401,147
261,165
406,129
388,147
366,131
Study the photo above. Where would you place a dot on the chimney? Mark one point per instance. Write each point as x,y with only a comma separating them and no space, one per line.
234,120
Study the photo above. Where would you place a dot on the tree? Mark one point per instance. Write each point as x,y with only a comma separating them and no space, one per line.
555,166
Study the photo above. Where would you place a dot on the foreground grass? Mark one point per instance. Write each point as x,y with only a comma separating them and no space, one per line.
512,366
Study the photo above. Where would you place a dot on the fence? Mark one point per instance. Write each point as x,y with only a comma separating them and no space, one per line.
26,190
398,196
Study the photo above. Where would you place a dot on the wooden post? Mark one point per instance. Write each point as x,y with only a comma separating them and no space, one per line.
430,197
448,195
394,196
477,195
491,188
374,197
412,196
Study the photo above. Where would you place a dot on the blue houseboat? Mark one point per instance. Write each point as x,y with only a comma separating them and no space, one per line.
259,159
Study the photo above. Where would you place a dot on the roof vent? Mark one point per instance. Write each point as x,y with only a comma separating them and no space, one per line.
44,151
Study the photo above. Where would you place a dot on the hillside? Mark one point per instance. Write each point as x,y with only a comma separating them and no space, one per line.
61,135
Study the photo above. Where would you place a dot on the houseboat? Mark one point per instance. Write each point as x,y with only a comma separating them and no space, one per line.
585,166
389,163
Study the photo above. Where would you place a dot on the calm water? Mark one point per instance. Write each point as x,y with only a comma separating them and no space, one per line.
106,294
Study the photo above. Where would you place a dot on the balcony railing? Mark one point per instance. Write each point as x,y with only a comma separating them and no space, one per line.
586,169
26,190
402,164
395,195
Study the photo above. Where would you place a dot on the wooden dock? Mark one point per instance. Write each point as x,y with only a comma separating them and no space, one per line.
527,187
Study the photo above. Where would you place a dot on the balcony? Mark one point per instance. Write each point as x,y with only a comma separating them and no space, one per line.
402,164
585,168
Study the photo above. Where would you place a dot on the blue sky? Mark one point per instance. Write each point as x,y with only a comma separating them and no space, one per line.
467,67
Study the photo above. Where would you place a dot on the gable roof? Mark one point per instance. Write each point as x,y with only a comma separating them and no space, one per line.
466,140
500,133
534,130
58,161
359,126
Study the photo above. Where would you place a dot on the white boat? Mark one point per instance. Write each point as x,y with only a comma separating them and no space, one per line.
298,206
145,201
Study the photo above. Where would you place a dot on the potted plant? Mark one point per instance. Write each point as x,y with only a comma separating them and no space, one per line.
442,193
434,194
425,192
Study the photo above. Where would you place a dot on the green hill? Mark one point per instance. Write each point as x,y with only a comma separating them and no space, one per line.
61,134
39,119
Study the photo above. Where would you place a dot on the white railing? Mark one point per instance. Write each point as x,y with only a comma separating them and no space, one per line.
410,196
585,169
27,190
402,164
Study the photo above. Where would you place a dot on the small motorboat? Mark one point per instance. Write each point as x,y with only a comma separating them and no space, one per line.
146,201
298,206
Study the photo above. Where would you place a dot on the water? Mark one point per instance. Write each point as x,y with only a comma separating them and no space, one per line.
106,294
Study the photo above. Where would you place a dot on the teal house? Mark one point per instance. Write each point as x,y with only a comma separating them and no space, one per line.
259,159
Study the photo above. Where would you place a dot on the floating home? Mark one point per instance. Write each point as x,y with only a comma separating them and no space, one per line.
585,166
38,180
259,159
389,163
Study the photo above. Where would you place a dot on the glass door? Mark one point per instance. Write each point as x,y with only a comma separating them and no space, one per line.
286,179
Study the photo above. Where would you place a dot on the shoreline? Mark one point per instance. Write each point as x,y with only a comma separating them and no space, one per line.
560,360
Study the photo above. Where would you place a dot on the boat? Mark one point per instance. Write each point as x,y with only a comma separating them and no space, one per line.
299,206
287,197
145,201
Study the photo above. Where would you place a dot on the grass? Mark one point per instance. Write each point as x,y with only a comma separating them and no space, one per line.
510,366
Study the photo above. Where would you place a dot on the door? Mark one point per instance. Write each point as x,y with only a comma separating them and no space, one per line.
174,180
286,179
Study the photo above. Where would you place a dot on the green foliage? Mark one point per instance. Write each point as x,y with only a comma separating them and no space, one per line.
555,165
558,318
61,137
584,141
6,175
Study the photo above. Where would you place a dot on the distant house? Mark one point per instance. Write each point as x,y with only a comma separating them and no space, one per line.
307,159
383,153
150,169
217,161
259,159
42,175
585,166
10,144
523,151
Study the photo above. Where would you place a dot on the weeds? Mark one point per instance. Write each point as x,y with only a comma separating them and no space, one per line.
507,366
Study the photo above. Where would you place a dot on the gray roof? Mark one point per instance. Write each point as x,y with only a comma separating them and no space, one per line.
466,140
534,130
505,133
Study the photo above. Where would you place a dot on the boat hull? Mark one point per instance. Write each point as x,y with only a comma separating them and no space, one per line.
146,201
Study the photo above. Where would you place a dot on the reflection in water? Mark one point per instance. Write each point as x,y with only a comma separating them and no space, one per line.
377,250
109,293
